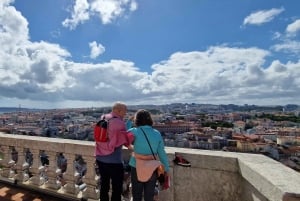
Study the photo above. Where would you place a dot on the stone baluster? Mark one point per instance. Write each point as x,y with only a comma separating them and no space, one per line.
68,176
27,164
19,164
51,171
36,169
90,179
5,161
12,163
61,168
80,171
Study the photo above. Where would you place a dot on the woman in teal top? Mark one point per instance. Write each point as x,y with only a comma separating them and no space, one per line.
143,122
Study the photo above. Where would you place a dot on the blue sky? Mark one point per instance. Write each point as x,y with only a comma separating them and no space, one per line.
90,53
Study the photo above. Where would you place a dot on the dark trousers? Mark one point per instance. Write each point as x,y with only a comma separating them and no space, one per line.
138,188
114,173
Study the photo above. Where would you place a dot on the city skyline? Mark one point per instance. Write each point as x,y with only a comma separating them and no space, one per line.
63,54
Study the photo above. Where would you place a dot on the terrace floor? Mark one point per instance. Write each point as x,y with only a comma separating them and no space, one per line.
10,192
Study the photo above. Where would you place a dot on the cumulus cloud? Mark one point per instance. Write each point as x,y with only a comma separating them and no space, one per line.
293,28
41,72
262,16
14,27
106,10
80,14
96,49
215,71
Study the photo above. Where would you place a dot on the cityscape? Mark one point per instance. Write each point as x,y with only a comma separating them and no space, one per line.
273,131
221,80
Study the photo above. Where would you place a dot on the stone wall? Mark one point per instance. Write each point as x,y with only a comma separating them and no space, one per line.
213,175
229,176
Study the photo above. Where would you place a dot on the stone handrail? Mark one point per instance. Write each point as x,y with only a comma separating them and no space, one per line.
66,168
78,180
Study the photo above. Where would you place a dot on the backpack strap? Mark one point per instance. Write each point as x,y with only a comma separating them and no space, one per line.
108,120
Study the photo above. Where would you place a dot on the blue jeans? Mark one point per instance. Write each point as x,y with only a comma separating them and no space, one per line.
114,173
139,187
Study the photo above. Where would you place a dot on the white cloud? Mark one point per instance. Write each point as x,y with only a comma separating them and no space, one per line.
96,49
14,27
287,43
4,3
287,46
55,34
79,14
276,35
293,28
218,75
262,16
41,74
214,71
133,6
106,10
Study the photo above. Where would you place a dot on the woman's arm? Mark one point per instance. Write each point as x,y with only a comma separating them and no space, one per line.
163,155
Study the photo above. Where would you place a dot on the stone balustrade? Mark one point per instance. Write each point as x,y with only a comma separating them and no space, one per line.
66,168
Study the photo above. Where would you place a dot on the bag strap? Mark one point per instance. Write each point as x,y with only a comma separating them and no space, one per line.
148,143
108,119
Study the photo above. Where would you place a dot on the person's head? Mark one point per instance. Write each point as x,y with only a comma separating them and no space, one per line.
142,118
120,109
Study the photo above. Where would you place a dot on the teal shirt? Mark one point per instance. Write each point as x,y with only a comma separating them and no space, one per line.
141,145
129,124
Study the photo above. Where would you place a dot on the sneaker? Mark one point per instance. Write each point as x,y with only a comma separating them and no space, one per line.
179,160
